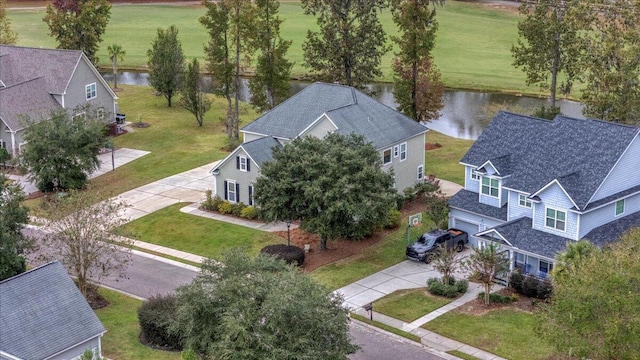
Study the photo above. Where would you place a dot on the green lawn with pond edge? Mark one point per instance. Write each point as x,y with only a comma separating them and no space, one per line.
198,235
473,49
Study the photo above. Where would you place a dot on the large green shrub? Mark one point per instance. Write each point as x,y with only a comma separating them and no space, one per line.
437,287
156,316
496,298
250,212
225,208
530,286
393,220
211,203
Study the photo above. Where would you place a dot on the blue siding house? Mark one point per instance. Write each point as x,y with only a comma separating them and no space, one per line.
533,185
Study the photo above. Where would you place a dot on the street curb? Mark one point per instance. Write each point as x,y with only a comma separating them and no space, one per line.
165,260
402,339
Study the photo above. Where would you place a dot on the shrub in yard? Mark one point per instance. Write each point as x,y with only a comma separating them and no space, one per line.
545,290
530,287
156,316
496,298
290,254
225,208
437,287
250,212
211,202
393,221
462,285
236,209
515,281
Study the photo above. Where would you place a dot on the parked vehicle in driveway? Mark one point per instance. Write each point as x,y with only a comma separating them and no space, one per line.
427,244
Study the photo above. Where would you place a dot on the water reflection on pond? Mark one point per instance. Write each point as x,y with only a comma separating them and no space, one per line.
463,115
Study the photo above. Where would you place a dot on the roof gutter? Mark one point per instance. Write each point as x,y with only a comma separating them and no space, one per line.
9,356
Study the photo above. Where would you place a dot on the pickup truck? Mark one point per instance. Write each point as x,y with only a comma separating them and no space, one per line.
427,244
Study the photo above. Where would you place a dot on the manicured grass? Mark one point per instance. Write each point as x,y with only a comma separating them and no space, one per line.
461,355
472,49
410,304
197,235
501,332
386,327
175,140
120,319
387,252
443,162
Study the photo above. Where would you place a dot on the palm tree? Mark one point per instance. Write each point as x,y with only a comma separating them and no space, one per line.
115,53
485,264
575,254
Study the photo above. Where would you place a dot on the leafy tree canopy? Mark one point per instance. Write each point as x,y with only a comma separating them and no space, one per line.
166,63
595,310
13,216
193,99
78,24
7,35
350,43
418,90
62,150
260,308
335,186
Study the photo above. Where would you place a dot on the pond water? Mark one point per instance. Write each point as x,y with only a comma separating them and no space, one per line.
464,116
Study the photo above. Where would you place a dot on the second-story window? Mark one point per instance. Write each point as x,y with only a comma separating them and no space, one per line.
403,151
556,219
524,201
474,175
386,157
619,207
91,91
490,186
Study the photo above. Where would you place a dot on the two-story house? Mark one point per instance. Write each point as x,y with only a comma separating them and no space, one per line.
532,185
317,110
35,82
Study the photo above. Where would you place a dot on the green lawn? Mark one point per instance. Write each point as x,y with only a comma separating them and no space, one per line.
501,332
386,327
443,162
120,319
197,235
410,304
389,251
472,50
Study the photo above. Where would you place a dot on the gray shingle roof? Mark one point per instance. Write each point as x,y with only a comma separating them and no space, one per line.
261,150
610,232
351,111
42,313
520,234
579,153
468,201
29,97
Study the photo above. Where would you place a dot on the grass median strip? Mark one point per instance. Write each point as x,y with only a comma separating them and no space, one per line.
410,304
500,332
461,355
194,234
386,327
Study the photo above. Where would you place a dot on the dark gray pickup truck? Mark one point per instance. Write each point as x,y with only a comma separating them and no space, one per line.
427,244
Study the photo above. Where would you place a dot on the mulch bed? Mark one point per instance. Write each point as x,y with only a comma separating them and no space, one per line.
478,308
95,300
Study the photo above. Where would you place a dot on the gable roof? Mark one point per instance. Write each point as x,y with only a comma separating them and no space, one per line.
43,313
349,109
571,151
259,150
29,97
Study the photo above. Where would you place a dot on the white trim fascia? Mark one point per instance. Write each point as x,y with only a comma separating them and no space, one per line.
7,126
97,74
486,232
578,228
72,346
231,154
482,215
605,204
244,132
613,167
465,164
490,163
249,157
516,190
7,355
538,256
561,188
316,121
72,73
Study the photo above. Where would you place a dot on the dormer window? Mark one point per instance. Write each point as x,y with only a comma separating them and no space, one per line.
556,219
524,201
490,186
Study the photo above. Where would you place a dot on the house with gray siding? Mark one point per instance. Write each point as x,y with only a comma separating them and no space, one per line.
35,82
318,110
43,315
534,185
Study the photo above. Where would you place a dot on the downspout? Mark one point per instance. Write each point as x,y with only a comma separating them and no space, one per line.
13,143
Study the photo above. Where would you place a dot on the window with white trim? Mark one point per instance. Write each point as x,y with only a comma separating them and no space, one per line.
100,114
91,91
243,163
420,172
545,268
619,207
524,201
396,151
403,151
556,219
386,156
490,186
231,192
475,175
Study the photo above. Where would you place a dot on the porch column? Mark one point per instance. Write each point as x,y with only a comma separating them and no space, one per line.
13,144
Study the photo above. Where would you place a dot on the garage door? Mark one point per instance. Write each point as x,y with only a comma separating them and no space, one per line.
468,227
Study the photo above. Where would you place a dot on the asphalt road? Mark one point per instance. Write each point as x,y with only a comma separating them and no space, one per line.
147,276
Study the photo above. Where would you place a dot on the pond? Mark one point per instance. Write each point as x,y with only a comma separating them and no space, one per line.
464,116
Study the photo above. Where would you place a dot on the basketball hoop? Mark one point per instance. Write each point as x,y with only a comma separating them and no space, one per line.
415,222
